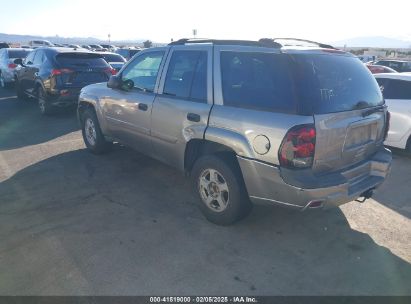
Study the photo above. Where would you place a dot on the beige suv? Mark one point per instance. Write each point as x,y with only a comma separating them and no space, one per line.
301,125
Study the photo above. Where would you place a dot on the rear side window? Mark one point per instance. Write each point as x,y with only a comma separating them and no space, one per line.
259,81
81,60
333,83
187,75
395,89
30,58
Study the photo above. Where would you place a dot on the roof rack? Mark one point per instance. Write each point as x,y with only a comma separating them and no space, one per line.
321,45
261,43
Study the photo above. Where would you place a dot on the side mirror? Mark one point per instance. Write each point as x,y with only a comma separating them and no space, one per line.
18,61
115,82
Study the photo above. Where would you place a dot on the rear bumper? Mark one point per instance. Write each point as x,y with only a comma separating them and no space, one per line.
266,184
65,97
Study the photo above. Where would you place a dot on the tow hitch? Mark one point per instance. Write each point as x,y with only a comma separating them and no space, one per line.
365,195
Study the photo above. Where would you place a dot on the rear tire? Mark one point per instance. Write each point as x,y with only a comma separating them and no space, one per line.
44,103
92,135
19,91
223,198
408,147
3,83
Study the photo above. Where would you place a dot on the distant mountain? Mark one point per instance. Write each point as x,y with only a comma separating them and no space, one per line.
376,42
24,39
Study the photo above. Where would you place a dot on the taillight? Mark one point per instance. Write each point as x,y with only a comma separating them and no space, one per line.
12,65
56,72
387,124
111,71
298,147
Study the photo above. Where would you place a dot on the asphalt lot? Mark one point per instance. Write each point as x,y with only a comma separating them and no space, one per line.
72,223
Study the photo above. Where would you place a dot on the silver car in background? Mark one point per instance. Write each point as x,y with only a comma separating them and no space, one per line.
7,65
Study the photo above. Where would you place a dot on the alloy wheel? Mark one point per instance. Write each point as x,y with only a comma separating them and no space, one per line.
90,131
214,190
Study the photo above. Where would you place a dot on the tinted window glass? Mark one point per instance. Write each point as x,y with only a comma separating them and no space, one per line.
39,58
81,60
333,83
187,75
143,70
18,53
113,58
259,81
30,58
396,89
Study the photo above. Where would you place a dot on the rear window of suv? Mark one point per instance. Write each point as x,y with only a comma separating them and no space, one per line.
333,83
81,60
297,83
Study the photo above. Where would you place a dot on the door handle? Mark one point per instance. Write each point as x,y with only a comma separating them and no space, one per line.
142,106
193,117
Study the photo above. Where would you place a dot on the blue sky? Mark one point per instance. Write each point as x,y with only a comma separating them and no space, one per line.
161,20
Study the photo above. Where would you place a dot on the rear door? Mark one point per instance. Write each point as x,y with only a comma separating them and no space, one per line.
181,109
347,106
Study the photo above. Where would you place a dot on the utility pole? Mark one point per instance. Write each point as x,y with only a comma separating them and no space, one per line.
194,33
109,38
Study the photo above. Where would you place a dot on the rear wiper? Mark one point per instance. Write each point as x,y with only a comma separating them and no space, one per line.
373,110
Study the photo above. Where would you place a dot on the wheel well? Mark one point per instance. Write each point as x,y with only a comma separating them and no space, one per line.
197,147
84,106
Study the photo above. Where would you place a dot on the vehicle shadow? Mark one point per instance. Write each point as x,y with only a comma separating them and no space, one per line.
124,224
18,116
395,192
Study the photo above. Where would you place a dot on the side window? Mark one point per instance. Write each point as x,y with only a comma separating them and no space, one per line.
143,70
30,58
258,81
383,83
39,58
187,75
397,89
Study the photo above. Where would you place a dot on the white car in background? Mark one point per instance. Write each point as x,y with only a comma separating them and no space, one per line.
7,65
396,88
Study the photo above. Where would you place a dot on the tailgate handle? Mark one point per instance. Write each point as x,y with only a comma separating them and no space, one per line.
142,106
193,117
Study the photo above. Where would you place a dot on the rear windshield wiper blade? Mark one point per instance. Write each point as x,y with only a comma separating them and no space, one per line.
368,112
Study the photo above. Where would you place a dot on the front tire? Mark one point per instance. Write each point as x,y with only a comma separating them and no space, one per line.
92,135
44,103
223,198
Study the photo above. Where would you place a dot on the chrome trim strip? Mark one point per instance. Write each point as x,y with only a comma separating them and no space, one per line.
274,201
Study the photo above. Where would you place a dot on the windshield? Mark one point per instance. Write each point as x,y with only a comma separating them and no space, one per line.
328,84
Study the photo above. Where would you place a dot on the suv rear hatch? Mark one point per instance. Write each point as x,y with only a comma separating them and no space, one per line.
347,106
80,69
